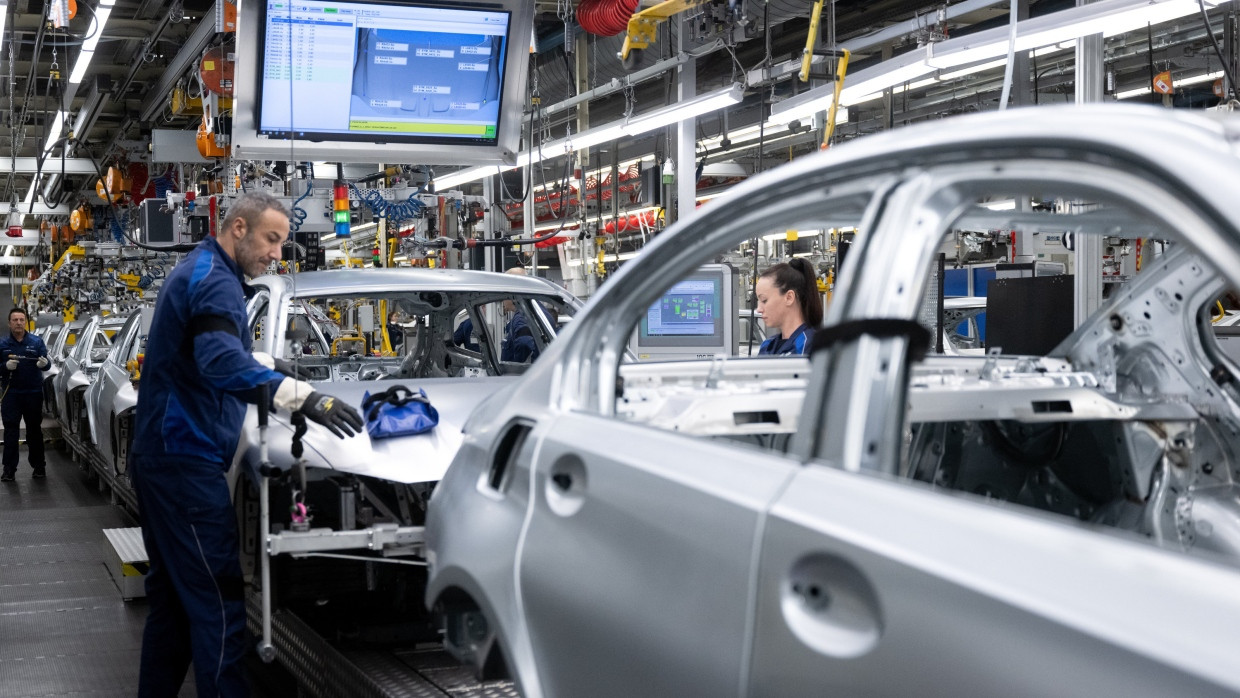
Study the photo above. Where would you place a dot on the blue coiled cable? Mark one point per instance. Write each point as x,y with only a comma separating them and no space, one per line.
408,209
299,213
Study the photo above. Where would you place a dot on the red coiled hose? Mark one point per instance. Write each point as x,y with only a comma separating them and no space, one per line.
605,17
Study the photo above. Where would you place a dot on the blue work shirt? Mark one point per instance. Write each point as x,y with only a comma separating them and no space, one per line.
519,345
28,378
798,343
192,401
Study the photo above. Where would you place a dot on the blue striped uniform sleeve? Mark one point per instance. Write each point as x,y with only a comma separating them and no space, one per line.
221,358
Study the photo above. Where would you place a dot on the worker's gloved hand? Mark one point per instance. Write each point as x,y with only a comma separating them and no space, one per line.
337,415
284,366
292,370
11,364
42,362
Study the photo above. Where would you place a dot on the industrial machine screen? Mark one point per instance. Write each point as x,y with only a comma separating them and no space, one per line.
689,308
388,73
689,314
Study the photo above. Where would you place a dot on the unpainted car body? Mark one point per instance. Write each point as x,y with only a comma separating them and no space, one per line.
609,528
329,324
79,370
112,396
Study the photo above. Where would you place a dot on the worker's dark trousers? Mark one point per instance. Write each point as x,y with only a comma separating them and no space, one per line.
194,587
14,409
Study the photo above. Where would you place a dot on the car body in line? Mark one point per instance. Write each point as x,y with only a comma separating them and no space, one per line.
79,369
112,396
869,520
58,347
358,332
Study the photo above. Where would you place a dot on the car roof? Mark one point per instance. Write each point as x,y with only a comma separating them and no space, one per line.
351,281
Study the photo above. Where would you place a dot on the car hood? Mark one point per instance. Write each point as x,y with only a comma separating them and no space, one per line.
406,459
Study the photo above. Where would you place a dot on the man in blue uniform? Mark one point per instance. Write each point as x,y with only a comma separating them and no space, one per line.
25,360
198,374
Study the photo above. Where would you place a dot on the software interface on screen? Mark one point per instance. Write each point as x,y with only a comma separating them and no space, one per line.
690,308
358,71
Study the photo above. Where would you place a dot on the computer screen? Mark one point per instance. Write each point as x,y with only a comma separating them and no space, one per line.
428,83
367,70
694,318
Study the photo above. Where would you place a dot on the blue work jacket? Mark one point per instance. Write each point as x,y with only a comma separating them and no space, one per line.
198,372
798,343
28,378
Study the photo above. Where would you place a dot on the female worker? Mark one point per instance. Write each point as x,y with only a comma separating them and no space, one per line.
789,301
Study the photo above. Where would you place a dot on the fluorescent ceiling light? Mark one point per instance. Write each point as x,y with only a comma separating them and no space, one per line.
801,234
702,104
4,15
88,46
53,131
1005,205
1048,33
1179,82
638,125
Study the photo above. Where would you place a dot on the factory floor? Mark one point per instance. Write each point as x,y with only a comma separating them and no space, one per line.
64,629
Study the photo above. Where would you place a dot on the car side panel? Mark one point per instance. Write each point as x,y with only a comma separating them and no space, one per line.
652,541
969,598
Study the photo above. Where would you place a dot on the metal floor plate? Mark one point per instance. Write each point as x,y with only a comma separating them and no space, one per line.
64,630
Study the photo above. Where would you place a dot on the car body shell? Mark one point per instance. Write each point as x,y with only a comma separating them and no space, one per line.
79,370
598,556
112,396
418,459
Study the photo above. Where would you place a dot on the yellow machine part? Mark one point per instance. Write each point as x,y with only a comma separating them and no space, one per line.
644,25
74,252
183,104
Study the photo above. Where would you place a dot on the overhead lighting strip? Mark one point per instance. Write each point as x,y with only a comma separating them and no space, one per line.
102,13
1047,33
634,126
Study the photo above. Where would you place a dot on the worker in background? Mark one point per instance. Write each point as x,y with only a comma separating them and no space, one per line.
789,301
519,345
396,333
198,375
25,362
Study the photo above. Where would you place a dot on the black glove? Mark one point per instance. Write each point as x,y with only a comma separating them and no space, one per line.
333,413
292,370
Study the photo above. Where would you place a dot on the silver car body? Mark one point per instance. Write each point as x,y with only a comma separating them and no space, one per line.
57,351
418,459
79,369
112,396
586,544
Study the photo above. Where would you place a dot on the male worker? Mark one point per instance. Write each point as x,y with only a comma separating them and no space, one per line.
518,346
25,361
198,373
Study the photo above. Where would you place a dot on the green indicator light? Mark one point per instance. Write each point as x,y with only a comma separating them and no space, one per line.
342,216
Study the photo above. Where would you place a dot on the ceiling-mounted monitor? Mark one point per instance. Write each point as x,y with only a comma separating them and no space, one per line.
378,81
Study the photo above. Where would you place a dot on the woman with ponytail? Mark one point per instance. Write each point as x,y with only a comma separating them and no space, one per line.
789,301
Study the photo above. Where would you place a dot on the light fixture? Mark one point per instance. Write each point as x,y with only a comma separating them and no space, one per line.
801,234
635,126
88,45
4,15
702,104
1048,33
1003,205
1179,82
53,131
